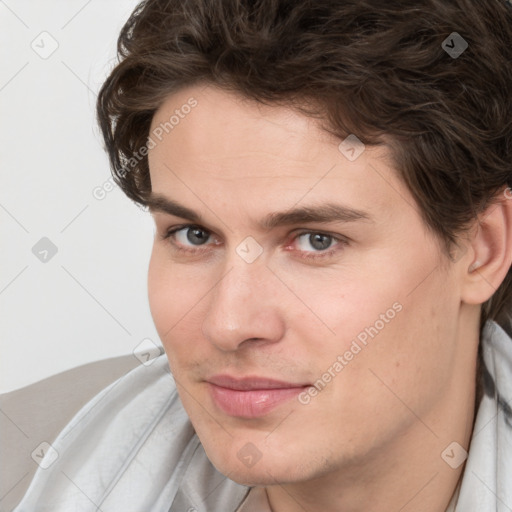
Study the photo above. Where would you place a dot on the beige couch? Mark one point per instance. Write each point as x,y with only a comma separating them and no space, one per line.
37,413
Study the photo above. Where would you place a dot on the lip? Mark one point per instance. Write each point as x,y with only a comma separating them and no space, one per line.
251,397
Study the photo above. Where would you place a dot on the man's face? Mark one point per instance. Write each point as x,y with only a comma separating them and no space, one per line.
301,266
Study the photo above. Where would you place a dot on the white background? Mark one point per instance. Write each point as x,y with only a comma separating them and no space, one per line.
89,301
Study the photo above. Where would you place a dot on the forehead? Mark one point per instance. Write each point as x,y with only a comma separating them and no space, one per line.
221,118
256,157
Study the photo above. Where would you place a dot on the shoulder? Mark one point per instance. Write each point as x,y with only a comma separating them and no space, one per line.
497,371
489,461
129,448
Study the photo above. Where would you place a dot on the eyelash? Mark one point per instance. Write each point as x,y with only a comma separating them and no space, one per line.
318,255
313,255
169,233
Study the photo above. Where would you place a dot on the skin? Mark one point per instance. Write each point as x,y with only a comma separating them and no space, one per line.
376,432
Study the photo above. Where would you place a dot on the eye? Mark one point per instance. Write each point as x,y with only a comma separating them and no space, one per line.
315,246
315,242
189,236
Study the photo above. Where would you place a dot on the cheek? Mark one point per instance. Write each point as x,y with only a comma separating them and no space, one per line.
178,295
393,322
383,296
172,294
160,296
335,307
399,350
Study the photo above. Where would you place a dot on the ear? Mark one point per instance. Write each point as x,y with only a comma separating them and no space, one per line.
490,254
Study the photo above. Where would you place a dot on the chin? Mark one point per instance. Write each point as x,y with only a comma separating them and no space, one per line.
266,471
253,479
260,476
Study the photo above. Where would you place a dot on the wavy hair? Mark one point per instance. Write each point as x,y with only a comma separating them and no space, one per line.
380,70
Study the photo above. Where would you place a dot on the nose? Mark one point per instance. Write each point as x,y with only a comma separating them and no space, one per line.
243,308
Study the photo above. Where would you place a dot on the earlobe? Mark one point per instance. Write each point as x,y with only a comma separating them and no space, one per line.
491,244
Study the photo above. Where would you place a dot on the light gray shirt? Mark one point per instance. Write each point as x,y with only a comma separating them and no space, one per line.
132,448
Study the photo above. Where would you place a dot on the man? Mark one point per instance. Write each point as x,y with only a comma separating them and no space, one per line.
330,275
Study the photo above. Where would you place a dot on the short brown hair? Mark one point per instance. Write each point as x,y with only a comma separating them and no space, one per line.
379,70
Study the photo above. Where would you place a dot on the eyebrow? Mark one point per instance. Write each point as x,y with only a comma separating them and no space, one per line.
160,203
329,212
